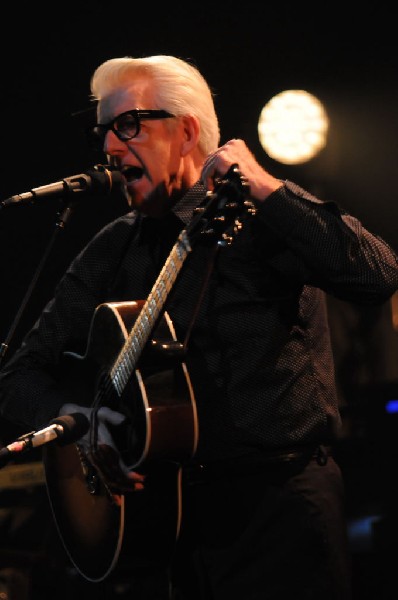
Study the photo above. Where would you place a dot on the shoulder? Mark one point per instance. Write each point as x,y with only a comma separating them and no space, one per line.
120,224
109,241
117,231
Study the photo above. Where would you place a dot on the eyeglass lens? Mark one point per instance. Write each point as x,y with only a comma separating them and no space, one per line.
126,126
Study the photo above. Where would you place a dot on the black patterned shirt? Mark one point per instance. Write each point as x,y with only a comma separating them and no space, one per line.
259,352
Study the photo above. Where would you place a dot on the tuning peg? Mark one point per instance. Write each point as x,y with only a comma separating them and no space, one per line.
251,209
226,240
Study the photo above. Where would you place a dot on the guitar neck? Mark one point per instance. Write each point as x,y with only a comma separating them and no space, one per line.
139,335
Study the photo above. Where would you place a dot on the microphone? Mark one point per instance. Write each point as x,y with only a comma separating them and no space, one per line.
65,430
99,180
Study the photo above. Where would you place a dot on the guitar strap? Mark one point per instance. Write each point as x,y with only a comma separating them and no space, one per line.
205,282
232,175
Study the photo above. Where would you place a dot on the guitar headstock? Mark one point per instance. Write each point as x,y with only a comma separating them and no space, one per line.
224,209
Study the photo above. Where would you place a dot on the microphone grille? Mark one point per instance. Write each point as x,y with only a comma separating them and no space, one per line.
74,427
105,180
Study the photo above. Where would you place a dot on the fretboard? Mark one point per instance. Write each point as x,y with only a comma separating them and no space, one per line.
139,335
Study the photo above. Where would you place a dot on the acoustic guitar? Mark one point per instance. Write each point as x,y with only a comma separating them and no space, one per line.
134,363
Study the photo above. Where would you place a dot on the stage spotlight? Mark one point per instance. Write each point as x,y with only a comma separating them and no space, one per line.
293,127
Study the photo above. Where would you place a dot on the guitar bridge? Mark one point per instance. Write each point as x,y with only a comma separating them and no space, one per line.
90,473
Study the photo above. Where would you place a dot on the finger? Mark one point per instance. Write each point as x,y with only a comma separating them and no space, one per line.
70,408
208,171
106,460
138,480
113,417
135,476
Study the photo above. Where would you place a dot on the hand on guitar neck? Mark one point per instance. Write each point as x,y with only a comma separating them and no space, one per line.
100,448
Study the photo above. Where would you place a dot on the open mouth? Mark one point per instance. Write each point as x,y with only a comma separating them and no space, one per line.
132,174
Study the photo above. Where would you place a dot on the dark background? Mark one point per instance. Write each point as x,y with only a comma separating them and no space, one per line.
248,54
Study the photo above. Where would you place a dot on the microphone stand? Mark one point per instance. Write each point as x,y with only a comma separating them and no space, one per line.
63,217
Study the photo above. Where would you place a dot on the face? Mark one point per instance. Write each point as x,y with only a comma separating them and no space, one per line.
152,162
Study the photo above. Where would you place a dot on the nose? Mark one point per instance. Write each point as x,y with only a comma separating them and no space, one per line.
113,146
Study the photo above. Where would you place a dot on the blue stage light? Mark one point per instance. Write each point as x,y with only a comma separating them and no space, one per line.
392,406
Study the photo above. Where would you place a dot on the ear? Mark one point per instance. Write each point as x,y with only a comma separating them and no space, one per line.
191,130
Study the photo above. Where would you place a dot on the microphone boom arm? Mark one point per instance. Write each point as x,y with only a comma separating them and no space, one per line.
99,180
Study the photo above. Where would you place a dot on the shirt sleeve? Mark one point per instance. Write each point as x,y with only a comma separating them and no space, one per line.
30,390
321,245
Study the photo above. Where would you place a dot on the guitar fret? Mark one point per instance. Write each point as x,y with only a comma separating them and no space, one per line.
151,308
125,376
130,358
136,349
147,316
140,334
162,289
117,383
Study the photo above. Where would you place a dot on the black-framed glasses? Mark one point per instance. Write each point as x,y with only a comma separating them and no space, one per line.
125,126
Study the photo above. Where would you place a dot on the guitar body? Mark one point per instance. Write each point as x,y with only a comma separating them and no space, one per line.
90,525
158,400
161,433
91,521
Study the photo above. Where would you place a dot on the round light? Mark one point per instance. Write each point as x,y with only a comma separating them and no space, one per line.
293,127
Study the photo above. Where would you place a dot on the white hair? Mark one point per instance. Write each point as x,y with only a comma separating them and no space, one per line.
179,88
